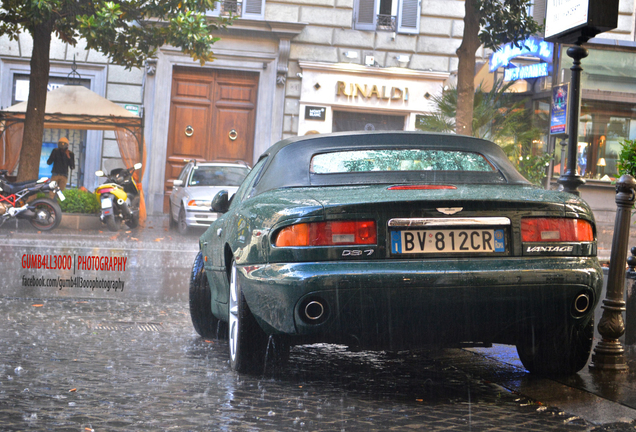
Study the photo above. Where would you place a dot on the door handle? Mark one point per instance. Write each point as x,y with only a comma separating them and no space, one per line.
233,134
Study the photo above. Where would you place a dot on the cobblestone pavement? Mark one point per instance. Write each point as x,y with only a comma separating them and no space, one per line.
110,365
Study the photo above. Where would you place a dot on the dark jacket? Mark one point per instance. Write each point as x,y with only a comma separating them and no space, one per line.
61,162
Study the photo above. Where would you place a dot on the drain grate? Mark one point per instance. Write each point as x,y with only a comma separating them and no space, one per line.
127,325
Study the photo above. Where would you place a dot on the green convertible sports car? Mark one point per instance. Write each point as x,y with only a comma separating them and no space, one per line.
395,241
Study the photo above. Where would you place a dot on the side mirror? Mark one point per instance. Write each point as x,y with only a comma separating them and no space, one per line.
177,183
99,173
221,202
137,165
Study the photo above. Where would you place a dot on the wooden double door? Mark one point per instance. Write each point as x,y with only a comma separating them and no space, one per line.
212,116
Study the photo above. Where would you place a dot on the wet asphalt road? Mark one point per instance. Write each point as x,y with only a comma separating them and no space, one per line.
105,360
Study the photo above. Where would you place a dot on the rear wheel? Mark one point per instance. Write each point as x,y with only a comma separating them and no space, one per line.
559,351
182,226
133,222
48,214
111,222
204,322
247,341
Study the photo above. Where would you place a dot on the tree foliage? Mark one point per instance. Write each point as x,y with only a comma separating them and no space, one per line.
626,163
491,23
498,116
126,31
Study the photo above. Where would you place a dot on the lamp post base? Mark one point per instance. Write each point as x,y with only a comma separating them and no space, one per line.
571,183
614,363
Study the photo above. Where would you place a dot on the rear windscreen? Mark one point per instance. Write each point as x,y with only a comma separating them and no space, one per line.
398,160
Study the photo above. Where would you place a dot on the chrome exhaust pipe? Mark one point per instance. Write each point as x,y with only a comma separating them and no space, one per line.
582,303
314,310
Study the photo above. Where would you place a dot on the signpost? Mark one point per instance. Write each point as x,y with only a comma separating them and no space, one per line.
575,22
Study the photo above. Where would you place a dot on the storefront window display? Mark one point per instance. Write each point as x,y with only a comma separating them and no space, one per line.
603,127
608,116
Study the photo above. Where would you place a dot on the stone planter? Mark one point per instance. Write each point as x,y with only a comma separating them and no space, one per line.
80,221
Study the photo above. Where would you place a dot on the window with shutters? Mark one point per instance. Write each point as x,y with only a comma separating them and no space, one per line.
249,9
402,16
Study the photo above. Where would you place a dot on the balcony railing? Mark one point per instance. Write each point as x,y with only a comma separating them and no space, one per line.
231,8
386,22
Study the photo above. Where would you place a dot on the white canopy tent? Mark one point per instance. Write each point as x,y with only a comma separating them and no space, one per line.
76,107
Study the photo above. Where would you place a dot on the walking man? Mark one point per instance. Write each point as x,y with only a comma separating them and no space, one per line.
62,159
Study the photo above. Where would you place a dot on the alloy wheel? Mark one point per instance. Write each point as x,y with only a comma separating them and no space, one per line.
233,316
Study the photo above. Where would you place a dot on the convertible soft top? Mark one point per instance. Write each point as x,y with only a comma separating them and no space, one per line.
288,161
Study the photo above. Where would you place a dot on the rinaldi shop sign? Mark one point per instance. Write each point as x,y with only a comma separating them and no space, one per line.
367,92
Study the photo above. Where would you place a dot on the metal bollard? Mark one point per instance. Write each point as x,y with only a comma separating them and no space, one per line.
630,299
609,353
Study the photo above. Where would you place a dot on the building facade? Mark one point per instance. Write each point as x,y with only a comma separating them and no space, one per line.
293,67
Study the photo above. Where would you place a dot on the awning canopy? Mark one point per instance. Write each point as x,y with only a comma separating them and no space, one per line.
76,107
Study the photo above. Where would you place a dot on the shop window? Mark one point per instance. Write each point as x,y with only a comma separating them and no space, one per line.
604,70
603,127
402,16
251,9
344,121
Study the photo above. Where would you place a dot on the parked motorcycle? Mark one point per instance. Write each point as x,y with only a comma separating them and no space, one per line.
44,214
119,197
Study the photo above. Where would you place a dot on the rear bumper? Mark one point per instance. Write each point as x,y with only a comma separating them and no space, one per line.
408,304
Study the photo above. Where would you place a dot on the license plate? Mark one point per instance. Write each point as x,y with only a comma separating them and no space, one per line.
61,195
448,241
107,203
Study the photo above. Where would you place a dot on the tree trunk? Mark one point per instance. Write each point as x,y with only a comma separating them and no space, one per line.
34,120
466,69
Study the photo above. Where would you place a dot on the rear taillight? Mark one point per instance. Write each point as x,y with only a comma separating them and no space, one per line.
556,230
328,234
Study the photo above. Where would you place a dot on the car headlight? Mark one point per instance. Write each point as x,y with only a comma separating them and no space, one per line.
200,204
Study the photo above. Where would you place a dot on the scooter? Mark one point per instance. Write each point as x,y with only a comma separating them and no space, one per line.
119,197
44,214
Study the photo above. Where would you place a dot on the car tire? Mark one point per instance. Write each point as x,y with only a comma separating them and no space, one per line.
247,342
182,226
171,222
563,351
204,322
111,223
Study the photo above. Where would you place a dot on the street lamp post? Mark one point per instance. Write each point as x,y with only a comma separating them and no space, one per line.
609,354
571,180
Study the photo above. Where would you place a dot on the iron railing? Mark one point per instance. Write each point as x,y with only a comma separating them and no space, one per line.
386,23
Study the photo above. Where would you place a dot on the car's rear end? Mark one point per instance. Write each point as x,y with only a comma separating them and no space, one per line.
414,246
471,264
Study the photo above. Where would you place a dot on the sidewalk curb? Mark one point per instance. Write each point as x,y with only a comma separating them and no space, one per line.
83,222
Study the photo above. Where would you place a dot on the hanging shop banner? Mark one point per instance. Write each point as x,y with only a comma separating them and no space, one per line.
559,110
